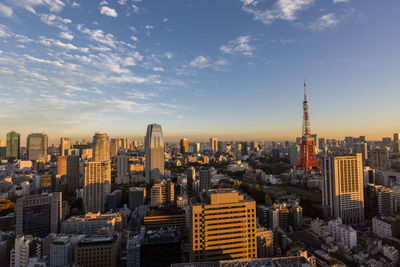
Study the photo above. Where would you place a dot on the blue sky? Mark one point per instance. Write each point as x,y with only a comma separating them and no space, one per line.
229,68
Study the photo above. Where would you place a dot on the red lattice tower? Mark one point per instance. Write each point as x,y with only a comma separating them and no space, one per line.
307,160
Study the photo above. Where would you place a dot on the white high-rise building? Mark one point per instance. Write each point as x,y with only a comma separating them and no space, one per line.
97,185
20,252
343,194
65,143
162,193
344,234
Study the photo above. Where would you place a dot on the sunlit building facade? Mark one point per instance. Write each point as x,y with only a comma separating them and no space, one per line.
154,149
13,146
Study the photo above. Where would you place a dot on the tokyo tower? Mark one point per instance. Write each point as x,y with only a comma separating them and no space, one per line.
307,160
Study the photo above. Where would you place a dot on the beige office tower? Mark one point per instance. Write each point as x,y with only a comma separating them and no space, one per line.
343,194
101,147
184,146
116,145
36,146
223,226
214,144
97,185
65,143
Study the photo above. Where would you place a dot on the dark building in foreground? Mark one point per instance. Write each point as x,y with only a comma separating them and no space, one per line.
38,215
160,247
98,251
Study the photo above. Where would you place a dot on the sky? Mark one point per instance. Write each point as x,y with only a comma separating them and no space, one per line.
233,69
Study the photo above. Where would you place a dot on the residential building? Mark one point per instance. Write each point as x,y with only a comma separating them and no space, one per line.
122,169
72,173
265,242
379,158
101,147
97,185
343,187
344,234
162,194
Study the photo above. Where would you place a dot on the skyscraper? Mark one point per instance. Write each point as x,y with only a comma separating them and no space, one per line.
223,226
205,179
65,143
13,144
343,194
116,144
190,175
97,185
36,146
396,143
122,168
184,146
154,149
72,173
101,147
214,144
38,214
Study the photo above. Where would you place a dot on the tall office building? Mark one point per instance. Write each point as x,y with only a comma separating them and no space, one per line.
162,194
97,185
101,147
137,197
184,146
36,146
396,142
38,214
122,168
154,149
205,179
13,146
116,145
72,173
214,144
223,226
343,194
190,175
62,165
196,148
65,143
99,251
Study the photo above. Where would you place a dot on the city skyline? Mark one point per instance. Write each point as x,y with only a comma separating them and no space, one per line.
69,68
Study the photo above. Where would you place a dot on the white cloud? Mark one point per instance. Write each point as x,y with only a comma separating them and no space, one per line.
165,20
200,62
75,4
5,11
52,5
340,1
102,3
134,38
40,60
239,45
132,28
158,69
4,31
122,2
148,28
134,94
105,10
327,21
54,20
99,36
135,8
282,9
66,35
168,55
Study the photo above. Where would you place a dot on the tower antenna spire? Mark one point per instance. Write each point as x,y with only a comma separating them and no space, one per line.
305,90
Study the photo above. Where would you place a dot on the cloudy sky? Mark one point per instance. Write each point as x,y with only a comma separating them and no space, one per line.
227,68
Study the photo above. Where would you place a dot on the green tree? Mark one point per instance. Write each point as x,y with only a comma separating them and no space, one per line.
268,200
